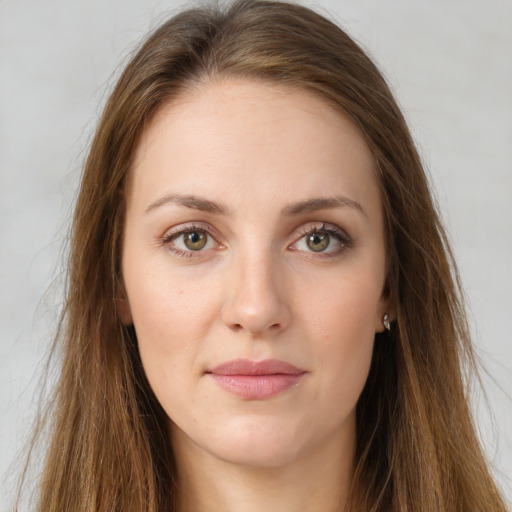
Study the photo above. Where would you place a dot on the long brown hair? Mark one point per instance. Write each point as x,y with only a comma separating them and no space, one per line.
416,444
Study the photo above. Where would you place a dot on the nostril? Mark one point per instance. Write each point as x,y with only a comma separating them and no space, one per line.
271,328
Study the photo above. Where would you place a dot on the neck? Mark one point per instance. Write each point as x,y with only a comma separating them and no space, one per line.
317,482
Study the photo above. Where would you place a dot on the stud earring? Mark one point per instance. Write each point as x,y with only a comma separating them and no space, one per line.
386,322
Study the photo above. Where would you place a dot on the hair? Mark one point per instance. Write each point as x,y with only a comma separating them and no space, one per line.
417,448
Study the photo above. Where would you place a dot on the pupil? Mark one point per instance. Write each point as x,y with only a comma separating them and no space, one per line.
318,241
195,240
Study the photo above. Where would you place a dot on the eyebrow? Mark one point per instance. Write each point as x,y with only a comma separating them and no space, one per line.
322,203
190,201
206,205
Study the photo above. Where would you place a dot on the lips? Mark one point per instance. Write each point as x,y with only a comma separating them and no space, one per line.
256,380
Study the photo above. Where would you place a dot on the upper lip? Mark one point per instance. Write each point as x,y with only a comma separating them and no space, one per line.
248,367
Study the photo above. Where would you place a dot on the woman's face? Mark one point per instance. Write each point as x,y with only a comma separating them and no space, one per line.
254,266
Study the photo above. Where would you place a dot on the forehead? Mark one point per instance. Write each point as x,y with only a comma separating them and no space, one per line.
243,140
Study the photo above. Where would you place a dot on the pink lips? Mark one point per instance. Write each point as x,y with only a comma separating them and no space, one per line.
256,380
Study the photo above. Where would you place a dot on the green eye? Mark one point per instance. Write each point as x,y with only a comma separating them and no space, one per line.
318,242
195,240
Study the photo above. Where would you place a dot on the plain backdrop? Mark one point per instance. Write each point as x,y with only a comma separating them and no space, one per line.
449,63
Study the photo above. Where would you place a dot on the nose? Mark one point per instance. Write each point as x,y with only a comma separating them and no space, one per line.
255,297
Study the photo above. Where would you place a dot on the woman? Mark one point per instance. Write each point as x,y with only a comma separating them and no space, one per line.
262,307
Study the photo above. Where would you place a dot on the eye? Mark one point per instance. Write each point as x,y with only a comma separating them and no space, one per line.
192,240
326,238
195,240
186,240
318,242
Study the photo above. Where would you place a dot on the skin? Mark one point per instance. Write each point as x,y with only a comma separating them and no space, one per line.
256,290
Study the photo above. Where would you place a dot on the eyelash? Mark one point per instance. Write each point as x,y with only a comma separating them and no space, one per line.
345,242
175,233
331,230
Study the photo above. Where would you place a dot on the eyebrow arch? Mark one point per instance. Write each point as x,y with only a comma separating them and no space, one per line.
190,201
206,205
322,203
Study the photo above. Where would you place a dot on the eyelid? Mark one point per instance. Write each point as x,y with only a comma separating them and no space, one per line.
181,229
328,227
344,240
189,226
341,235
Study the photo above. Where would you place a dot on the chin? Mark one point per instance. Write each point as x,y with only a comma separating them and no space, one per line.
252,443
256,455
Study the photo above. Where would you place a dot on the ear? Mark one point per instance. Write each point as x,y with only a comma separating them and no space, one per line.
123,307
386,307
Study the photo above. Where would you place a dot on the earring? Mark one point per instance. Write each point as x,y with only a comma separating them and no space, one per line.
386,322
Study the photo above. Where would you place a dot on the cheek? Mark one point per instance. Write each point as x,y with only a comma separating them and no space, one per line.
342,323
171,315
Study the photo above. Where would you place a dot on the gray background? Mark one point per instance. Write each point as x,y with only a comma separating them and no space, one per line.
450,65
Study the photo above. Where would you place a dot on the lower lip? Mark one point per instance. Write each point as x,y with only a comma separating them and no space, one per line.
256,387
